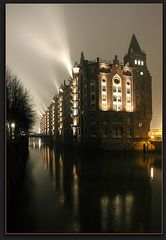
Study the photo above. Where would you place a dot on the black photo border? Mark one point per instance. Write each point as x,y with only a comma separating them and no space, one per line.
4,236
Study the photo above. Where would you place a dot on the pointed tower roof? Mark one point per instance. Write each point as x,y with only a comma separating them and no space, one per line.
82,54
134,46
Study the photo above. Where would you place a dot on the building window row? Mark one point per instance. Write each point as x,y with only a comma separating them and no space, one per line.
138,62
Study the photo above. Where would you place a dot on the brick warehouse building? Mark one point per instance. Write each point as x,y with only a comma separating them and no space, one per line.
105,104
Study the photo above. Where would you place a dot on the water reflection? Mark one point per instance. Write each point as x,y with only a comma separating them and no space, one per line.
108,193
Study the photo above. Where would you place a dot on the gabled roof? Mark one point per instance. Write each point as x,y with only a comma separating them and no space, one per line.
134,46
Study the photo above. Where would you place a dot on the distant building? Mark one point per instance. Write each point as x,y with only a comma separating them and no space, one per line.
155,134
105,104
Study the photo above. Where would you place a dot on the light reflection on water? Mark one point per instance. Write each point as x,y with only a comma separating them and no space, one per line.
103,193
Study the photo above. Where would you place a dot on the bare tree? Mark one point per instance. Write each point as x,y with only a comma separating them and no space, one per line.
20,107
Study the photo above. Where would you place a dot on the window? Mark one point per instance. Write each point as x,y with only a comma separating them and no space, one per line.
129,132
142,63
135,61
104,107
119,107
75,112
119,89
114,107
104,132
129,120
115,98
117,93
141,73
93,97
104,118
128,83
119,99
128,90
92,117
128,99
93,130
114,133
119,132
128,108
114,89
103,82
116,81
92,88
103,97
139,62
140,124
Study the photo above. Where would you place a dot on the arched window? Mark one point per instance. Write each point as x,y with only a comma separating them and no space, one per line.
104,94
117,93
128,95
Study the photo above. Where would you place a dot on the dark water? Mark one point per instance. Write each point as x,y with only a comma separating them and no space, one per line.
65,191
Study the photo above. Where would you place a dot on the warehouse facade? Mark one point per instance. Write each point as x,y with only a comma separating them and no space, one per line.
105,104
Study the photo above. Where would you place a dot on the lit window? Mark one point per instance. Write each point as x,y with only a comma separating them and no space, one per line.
103,97
114,89
103,82
140,124
75,97
116,81
114,107
141,73
75,104
76,69
75,122
119,98
119,107
104,107
128,108
75,112
135,61
128,90
119,89
142,63
139,62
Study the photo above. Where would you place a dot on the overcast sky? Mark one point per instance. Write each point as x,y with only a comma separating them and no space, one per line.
43,41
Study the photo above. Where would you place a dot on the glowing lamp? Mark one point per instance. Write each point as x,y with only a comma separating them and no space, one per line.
13,125
76,70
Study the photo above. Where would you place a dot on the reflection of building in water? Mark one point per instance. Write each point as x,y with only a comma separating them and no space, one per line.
104,212
75,199
106,104
114,196
53,162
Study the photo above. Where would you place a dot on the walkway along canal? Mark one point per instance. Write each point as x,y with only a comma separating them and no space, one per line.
65,191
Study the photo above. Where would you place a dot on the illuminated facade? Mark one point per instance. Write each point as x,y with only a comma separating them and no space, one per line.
106,104
155,134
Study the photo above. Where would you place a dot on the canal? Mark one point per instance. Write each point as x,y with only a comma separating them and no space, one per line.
66,191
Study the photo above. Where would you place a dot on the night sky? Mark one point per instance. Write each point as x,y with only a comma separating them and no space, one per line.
43,41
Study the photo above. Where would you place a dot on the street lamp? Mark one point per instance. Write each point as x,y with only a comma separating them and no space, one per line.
13,127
